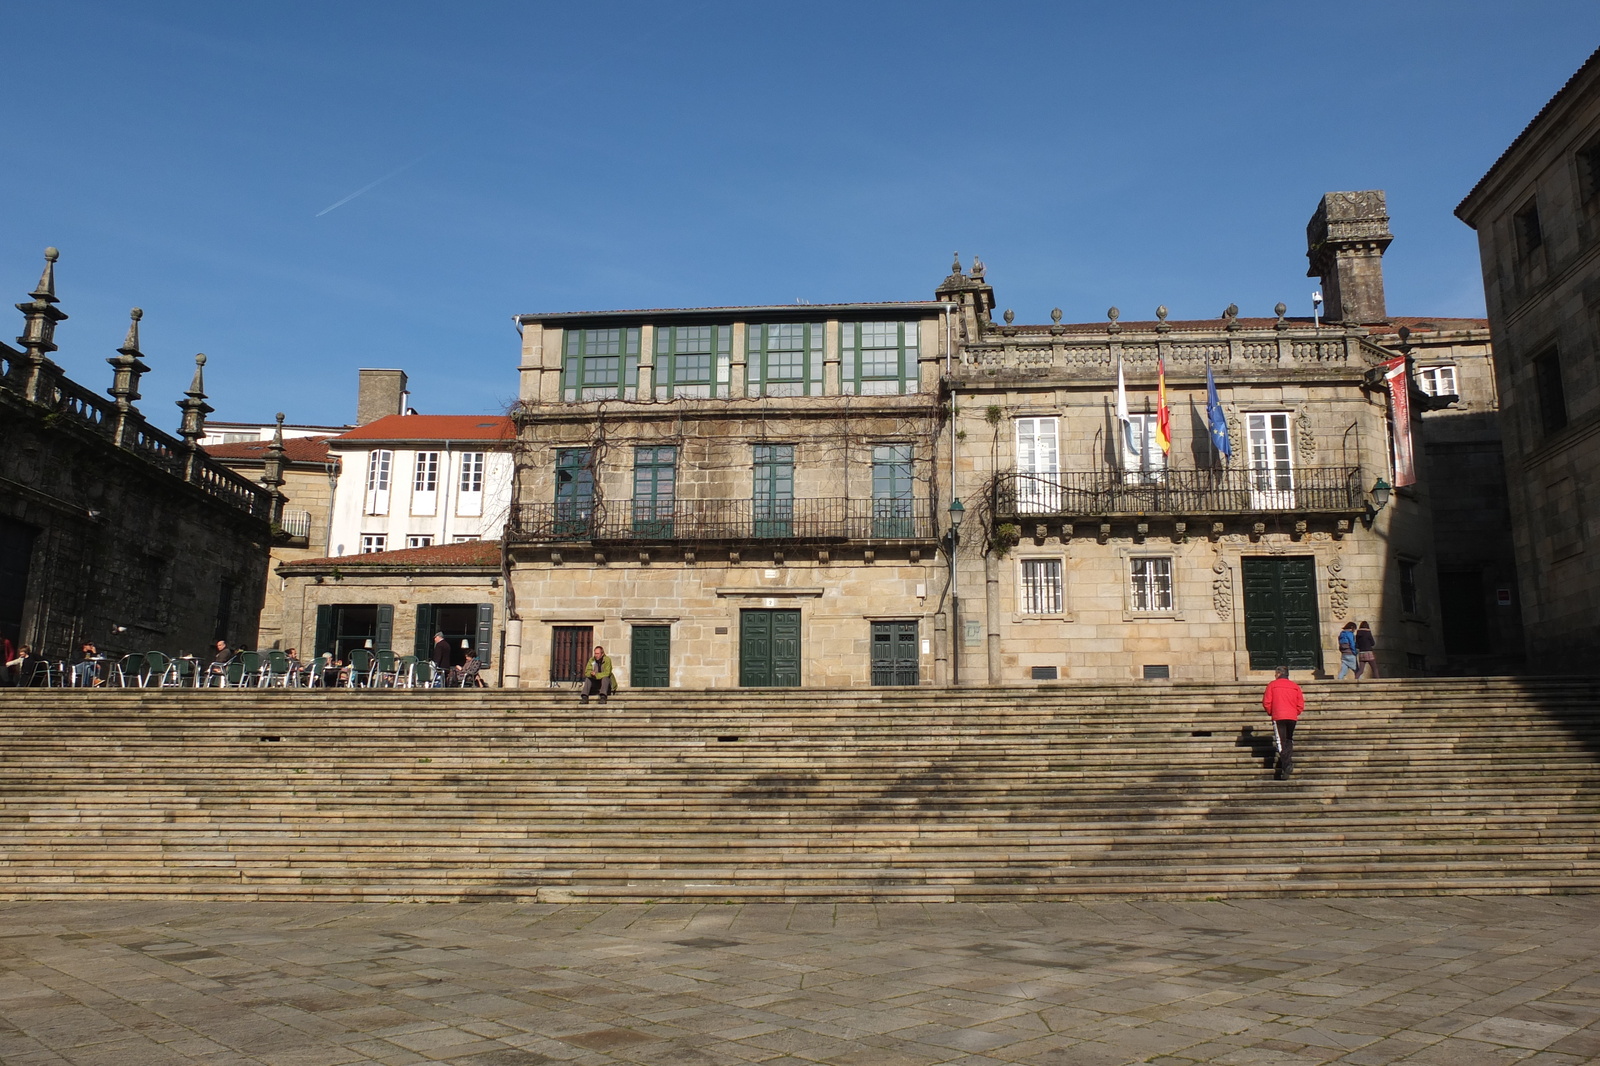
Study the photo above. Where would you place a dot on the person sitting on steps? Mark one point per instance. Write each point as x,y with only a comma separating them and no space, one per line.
597,677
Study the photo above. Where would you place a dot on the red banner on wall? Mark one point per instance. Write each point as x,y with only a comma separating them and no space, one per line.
1405,455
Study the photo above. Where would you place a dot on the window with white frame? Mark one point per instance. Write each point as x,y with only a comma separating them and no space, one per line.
373,542
1271,460
425,484
1043,589
1038,466
462,538
1437,380
1142,457
1152,583
469,501
422,541
380,464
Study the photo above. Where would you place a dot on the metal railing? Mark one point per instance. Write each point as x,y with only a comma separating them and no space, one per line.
297,523
1102,493
830,519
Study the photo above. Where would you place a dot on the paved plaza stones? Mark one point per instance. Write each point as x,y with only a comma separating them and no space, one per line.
1452,981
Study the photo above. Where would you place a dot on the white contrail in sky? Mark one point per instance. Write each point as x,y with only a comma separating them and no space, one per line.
371,185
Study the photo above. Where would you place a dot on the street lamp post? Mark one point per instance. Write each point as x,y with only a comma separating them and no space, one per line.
952,539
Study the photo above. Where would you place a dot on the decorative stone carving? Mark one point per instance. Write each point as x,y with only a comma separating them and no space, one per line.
1338,589
1305,439
1222,588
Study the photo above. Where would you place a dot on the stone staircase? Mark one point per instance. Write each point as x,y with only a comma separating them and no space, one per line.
1076,791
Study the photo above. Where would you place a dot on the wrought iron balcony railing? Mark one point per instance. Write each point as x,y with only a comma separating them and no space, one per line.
1106,493
833,519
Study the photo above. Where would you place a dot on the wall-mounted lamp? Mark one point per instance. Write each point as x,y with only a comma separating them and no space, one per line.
957,512
465,643
1380,498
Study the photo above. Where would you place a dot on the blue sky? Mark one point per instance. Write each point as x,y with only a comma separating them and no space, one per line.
611,154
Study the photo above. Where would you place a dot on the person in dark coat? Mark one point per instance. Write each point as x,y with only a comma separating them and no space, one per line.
439,655
1366,651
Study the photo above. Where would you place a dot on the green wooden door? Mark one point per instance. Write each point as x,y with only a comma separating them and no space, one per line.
772,499
650,659
769,648
574,492
891,490
895,658
1280,612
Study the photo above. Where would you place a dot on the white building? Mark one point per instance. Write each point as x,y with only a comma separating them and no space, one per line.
414,481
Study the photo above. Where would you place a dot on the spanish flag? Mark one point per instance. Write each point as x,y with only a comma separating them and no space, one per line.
1163,415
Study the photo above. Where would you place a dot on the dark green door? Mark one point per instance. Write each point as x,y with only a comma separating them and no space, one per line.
769,648
894,653
650,662
1280,612
891,490
772,502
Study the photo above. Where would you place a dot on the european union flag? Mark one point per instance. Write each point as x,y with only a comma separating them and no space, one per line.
1215,419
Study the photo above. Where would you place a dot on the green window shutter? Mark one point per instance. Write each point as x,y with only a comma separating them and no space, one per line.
424,634
383,639
324,641
483,640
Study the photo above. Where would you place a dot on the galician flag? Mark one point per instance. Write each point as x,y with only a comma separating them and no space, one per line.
1215,419
1163,414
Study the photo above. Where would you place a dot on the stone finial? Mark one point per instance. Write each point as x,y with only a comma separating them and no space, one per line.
1161,320
194,406
1280,309
40,314
1113,314
955,266
1162,312
1055,315
272,472
1010,316
977,267
1232,315
128,366
47,280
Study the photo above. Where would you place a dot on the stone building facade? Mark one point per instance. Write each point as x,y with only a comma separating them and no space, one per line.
765,495
304,471
1537,215
110,528
396,600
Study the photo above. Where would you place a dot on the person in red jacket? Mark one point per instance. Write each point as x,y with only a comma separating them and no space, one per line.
1284,701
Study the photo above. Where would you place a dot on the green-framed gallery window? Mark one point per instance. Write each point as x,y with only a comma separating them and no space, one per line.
772,498
783,360
655,476
692,361
878,358
600,364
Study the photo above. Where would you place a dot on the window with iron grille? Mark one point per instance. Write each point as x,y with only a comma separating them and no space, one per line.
1530,234
1589,171
1043,590
783,359
600,364
1152,583
655,476
1552,394
692,361
878,358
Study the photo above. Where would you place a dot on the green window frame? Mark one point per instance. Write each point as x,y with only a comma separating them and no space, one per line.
783,358
574,491
878,358
600,364
692,361
892,492
655,477
772,501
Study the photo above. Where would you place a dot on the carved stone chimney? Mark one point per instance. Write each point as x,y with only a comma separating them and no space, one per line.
1345,241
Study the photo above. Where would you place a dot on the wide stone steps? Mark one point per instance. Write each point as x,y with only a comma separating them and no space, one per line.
1099,791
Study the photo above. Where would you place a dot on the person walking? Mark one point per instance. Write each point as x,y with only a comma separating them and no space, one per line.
1366,651
597,677
1347,652
1284,701
439,655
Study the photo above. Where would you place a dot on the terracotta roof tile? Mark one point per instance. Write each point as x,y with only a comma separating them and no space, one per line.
1203,325
295,449
466,553
433,427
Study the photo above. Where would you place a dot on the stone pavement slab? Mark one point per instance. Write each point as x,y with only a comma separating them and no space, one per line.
1451,981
